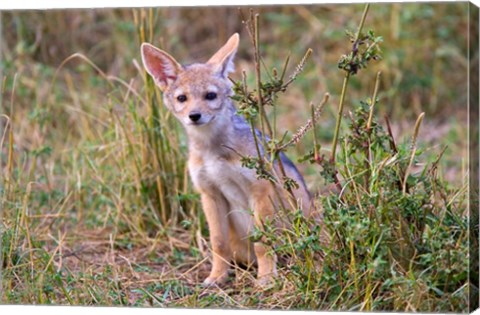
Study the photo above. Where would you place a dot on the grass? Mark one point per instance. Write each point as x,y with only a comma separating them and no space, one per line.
97,205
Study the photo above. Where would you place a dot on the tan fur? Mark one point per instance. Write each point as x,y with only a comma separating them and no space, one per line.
229,192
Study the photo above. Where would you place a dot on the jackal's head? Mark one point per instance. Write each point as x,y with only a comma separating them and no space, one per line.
197,94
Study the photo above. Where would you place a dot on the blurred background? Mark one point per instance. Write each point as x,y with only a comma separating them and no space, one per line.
424,66
425,44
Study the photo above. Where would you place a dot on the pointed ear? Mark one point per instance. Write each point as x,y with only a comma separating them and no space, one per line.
223,58
161,66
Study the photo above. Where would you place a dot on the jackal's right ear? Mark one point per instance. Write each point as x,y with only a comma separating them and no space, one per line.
160,65
223,58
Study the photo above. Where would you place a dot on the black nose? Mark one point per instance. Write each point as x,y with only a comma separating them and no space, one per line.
195,116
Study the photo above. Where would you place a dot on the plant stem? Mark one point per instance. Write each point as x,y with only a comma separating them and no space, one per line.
315,141
345,84
391,139
339,115
252,126
263,115
369,161
362,21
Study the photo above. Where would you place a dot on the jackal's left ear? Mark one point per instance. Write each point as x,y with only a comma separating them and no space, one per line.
223,58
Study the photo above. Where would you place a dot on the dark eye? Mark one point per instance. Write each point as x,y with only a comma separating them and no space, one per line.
182,98
211,96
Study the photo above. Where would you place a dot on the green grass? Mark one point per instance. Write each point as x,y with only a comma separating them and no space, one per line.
97,206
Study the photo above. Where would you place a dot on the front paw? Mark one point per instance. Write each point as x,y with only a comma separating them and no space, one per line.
266,281
215,280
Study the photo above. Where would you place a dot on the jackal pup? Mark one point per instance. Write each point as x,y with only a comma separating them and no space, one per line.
199,97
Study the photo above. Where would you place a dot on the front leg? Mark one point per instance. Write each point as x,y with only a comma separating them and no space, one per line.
263,210
215,208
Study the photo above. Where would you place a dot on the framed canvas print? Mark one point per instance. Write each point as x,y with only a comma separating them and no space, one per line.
319,157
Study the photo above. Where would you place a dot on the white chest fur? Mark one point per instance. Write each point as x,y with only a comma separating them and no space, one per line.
216,175
227,177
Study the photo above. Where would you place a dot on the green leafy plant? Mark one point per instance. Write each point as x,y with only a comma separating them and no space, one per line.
397,233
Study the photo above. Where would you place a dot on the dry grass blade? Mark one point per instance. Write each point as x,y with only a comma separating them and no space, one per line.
413,151
373,101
